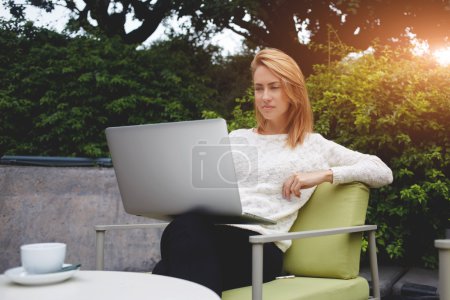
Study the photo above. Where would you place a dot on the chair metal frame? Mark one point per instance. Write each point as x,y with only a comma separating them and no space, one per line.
257,242
100,231
443,247
257,253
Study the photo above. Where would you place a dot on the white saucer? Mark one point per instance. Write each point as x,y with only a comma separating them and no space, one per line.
19,275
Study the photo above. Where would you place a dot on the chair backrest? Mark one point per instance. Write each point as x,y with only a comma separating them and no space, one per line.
334,256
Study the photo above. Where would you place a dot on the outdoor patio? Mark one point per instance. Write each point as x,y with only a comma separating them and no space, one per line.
44,204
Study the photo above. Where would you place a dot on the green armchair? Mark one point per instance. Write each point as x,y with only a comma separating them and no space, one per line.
325,254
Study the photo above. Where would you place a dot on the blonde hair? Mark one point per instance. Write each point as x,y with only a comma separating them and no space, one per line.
300,116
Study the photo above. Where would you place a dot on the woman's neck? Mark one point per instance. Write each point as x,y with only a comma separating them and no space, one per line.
271,128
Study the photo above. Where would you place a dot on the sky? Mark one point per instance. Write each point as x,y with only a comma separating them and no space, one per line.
230,42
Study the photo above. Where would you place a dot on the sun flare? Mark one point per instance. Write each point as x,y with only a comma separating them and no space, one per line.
442,56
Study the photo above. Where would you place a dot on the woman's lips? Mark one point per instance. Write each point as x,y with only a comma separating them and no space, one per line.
267,107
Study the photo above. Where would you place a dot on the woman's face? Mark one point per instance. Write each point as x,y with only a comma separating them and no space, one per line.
270,98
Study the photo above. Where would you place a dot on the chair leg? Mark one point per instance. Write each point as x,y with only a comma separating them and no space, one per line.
100,241
374,265
257,271
444,268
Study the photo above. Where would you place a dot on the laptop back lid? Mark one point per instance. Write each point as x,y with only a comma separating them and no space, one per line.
170,168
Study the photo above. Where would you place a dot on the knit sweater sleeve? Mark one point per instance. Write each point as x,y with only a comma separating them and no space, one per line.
348,165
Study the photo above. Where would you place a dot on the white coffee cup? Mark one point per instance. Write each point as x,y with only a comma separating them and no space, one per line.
43,257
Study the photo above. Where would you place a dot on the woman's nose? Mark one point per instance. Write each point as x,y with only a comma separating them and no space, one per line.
266,95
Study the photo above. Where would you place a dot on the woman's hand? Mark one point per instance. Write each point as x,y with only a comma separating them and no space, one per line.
301,180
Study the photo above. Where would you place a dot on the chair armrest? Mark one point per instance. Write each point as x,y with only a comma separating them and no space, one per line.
100,231
129,226
259,240
268,238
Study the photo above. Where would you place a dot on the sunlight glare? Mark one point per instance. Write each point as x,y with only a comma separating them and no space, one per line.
442,56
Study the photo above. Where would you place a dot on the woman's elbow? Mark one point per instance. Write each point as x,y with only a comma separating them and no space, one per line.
385,177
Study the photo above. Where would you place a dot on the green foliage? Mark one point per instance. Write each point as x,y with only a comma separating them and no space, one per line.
397,107
58,94
230,77
242,115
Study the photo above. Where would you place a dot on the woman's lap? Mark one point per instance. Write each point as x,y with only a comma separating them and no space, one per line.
216,256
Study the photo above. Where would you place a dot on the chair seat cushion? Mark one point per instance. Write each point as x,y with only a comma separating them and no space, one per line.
306,288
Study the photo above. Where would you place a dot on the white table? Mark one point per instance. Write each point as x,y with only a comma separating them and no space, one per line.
108,285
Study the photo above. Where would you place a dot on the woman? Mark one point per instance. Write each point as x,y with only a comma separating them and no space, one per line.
291,161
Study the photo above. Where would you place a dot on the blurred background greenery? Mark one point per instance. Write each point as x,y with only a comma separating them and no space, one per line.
372,72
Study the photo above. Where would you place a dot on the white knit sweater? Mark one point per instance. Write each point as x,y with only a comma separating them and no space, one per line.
264,162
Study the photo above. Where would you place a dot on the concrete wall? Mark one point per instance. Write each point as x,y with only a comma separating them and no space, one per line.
47,204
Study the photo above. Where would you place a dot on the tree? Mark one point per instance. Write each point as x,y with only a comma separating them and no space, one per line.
271,23
352,22
110,15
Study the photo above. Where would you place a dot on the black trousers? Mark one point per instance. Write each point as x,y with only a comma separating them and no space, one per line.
216,256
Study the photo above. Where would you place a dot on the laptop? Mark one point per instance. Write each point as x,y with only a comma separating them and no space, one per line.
167,169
